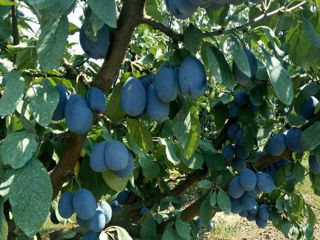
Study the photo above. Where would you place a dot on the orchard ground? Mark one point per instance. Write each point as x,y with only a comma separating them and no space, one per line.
231,226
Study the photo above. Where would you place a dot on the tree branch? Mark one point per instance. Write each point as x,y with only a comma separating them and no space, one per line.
131,15
15,31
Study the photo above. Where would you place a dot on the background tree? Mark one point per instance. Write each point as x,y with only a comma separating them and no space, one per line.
221,91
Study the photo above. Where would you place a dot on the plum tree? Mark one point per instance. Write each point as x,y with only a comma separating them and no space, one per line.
308,107
116,155
192,78
133,97
155,108
65,205
95,46
84,204
166,82
248,179
97,158
233,130
293,140
235,188
96,100
78,115
314,165
277,144
228,152
63,98
265,182
241,98
242,78
98,221
180,8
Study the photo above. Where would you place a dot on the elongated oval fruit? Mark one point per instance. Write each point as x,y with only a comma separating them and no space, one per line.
78,115
97,162
63,98
166,82
65,205
96,100
98,221
116,155
133,97
156,109
192,78
127,171
84,204
95,47
277,144
181,9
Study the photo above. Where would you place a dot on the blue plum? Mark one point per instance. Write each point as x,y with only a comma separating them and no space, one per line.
238,136
247,201
156,109
63,98
97,222
261,223
233,112
143,211
265,182
254,192
254,210
235,189
277,144
146,81
65,205
251,217
84,204
115,205
242,78
81,222
133,97
127,171
91,236
264,212
210,225
247,179
228,152
192,78
95,47
314,165
96,100
166,82
181,9
244,213
107,211
97,162
239,163
236,206
123,197
308,107
241,98
240,153
78,115
293,140
233,130
53,218
116,155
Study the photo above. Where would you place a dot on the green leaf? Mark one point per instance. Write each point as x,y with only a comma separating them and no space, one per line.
280,79
183,229
211,62
105,10
213,199
114,110
170,234
205,212
32,2
311,33
192,38
152,9
8,3
3,222
13,85
113,181
170,151
312,219
239,56
17,148
195,162
6,181
149,229
311,137
30,197
27,58
122,233
150,169
224,202
43,100
205,184
52,42
140,133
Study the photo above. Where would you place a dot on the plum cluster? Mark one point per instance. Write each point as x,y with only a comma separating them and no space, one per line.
113,155
183,9
77,110
308,107
95,47
90,215
244,189
152,94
